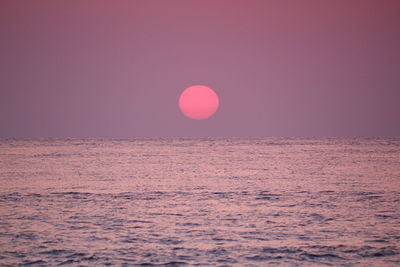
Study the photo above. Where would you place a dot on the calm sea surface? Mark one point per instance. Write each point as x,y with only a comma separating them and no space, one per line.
200,202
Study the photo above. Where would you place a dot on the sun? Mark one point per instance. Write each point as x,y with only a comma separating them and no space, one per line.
198,102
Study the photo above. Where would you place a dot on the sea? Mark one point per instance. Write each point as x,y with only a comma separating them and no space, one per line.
200,202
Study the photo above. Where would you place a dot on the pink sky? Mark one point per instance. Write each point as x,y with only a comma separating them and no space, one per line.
280,68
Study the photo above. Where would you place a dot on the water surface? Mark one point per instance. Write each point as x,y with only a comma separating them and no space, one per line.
200,202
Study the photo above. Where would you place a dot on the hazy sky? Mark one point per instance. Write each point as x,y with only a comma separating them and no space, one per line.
280,68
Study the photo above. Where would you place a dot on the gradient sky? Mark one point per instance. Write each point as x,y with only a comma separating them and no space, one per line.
281,68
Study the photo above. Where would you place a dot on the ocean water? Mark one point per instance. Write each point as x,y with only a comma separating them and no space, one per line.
200,202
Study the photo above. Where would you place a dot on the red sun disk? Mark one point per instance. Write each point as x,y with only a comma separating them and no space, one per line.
198,102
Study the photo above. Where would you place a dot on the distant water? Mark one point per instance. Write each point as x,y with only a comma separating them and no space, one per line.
200,202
